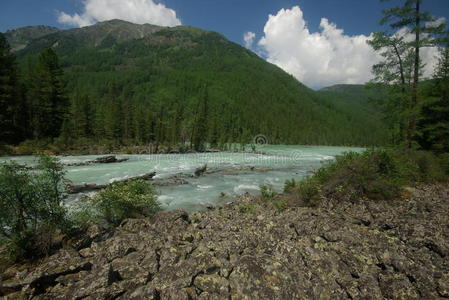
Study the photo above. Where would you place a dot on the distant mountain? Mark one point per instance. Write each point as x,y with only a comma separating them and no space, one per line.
355,94
159,79
343,87
21,37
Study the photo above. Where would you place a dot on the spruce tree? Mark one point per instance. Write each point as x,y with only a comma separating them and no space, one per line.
49,104
434,124
10,102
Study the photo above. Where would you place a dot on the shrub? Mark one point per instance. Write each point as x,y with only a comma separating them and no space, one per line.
289,185
308,191
444,163
124,200
267,192
31,206
247,208
428,167
280,204
375,174
5,150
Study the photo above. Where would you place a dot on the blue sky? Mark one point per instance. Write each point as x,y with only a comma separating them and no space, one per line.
229,17
299,21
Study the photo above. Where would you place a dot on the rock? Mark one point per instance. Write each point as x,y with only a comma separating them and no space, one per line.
213,284
340,250
75,189
108,159
100,160
443,286
199,171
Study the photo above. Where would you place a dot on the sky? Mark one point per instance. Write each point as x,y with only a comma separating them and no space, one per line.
320,42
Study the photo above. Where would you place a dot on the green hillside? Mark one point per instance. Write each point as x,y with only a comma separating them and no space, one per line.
142,83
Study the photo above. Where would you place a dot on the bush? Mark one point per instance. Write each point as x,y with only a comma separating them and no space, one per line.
280,204
267,192
444,163
375,174
308,191
247,208
31,207
289,185
124,200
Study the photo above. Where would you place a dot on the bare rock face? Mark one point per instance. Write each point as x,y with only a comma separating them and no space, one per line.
366,250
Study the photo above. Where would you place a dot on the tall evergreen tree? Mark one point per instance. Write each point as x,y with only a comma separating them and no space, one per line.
47,97
200,127
11,103
82,116
434,124
408,16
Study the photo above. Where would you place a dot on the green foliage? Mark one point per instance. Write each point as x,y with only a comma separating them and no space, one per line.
12,118
401,68
444,162
374,174
247,208
289,185
267,192
31,206
124,200
280,205
308,191
46,95
433,126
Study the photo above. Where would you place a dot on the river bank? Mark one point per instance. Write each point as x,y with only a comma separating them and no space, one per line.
36,148
394,249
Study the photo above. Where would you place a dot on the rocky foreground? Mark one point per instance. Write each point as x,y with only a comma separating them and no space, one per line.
366,250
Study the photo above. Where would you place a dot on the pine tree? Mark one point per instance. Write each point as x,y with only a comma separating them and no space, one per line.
410,17
46,93
11,103
200,128
434,124
82,116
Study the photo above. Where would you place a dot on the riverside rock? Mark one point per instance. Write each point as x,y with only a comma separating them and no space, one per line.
395,249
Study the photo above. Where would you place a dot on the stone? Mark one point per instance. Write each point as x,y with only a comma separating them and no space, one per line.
339,250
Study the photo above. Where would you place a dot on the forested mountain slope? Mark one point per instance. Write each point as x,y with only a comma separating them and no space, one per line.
362,103
143,83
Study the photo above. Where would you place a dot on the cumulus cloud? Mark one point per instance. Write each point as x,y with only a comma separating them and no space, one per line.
322,58
248,38
135,11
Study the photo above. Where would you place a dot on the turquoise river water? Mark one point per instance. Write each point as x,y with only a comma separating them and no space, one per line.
230,173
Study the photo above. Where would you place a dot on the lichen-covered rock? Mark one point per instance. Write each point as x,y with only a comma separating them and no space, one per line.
368,250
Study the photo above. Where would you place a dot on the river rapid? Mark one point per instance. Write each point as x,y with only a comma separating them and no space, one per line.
228,174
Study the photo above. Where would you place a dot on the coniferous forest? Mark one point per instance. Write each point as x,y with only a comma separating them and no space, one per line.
175,86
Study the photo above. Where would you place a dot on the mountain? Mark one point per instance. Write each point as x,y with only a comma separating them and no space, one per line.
168,85
21,37
364,97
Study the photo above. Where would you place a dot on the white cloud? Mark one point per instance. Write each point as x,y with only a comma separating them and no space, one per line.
248,38
136,11
437,22
323,58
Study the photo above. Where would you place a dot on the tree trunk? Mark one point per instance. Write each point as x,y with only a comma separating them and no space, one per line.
414,96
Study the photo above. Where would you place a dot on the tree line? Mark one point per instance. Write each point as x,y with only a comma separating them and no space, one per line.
36,106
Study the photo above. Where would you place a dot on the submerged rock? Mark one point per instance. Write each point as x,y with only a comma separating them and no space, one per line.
100,160
368,250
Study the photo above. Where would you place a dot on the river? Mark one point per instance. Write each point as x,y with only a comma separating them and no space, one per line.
228,175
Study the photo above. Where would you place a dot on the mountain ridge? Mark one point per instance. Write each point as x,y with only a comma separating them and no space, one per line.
161,71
